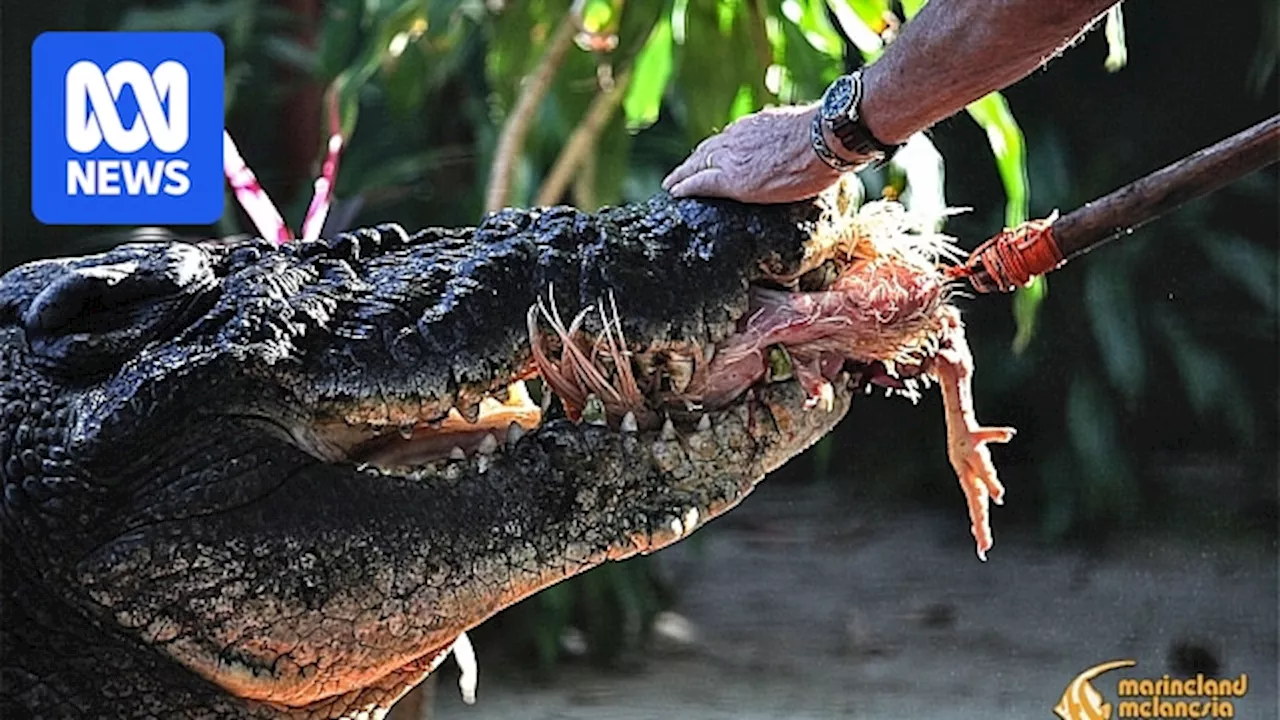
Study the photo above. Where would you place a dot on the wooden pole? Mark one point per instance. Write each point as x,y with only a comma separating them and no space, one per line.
1141,201
1015,256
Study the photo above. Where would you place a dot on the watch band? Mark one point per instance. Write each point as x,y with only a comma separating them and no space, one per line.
840,114
823,150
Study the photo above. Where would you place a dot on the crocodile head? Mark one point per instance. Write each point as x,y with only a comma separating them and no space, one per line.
282,482
241,479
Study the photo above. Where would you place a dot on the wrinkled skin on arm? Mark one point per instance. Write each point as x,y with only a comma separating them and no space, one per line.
949,55
190,524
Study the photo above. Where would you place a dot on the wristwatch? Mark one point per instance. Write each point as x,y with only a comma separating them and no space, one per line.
839,114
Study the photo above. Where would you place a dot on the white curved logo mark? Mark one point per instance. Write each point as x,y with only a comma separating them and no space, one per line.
88,124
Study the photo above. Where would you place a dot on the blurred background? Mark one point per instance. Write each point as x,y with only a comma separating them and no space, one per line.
1142,513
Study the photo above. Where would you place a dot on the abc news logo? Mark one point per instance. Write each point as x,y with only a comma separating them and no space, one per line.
89,126
127,128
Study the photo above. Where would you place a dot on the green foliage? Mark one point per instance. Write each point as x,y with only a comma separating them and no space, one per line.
1106,485
714,92
411,46
649,81
253,32
809,48
1026,308
1009,149
1267,56
1113,315
1135,339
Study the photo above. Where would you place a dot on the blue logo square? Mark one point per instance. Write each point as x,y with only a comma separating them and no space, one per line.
126,128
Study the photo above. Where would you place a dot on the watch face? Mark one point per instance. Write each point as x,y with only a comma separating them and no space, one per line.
836,101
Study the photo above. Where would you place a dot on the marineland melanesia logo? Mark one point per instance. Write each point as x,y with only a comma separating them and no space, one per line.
1163,697
127,128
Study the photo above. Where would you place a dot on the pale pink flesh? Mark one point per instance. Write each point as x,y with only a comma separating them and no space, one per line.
871,313
861,309
813,325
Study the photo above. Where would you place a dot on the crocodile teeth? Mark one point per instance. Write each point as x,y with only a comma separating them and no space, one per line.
518,394
488,445
827,397
644,364
704,423
690,519
457,453
465,655
470,413
680,370
406,431
708,352
676,527
514,433
629,424
668,430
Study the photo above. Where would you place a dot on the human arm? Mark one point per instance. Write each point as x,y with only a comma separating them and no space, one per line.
952,53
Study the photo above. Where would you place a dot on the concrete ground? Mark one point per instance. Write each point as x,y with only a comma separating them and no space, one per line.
799,606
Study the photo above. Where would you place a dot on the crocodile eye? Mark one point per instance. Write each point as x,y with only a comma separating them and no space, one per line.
95,312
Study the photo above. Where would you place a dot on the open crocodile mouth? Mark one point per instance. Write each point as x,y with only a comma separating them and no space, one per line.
870,307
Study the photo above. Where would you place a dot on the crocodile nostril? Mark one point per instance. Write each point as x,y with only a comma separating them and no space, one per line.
96,311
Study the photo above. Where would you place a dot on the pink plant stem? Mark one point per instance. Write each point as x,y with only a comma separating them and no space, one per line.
249,193
323,195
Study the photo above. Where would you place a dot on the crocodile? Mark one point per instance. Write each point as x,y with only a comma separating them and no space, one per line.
243,480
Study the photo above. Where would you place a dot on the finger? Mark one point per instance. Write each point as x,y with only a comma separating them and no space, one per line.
685,170
709,182
696,161
673,177
690,167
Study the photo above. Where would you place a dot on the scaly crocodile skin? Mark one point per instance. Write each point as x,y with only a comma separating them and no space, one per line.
184,537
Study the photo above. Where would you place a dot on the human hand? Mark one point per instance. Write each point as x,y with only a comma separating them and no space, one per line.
761,158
